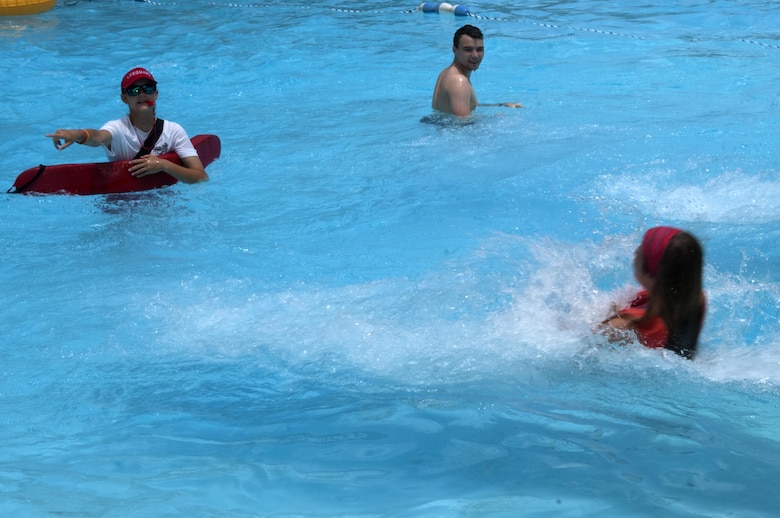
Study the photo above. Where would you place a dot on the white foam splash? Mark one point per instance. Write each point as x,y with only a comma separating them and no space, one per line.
465,321
733,197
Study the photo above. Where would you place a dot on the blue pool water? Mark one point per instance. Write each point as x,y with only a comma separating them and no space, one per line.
362,314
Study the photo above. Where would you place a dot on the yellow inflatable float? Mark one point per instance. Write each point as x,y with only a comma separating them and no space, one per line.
17,7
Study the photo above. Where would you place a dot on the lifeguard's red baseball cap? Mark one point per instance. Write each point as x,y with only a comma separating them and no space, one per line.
136,74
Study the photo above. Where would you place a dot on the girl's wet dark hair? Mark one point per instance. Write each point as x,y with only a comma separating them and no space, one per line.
468,30
677,293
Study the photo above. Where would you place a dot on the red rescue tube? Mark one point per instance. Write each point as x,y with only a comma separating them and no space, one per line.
106,177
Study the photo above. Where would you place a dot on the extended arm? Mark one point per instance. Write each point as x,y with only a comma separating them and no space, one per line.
63,138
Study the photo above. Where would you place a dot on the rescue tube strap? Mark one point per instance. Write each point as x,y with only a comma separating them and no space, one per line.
18,190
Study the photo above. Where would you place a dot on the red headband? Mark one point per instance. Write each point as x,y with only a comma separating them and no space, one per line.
654,245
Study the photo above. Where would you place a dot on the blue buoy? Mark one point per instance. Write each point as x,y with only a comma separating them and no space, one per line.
443,7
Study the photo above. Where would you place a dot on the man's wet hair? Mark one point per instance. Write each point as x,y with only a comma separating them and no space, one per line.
468,30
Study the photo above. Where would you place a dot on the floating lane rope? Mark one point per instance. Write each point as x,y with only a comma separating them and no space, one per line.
444,7
554,26
768,45
426,7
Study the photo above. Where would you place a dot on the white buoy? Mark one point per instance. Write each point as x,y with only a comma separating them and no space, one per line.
443,7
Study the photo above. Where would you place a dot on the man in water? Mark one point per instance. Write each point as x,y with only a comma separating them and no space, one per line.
453,92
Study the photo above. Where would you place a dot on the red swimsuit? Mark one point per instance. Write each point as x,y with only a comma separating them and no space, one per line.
652,333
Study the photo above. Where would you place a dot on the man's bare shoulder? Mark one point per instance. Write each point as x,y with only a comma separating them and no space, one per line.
451,73
453,93
452,79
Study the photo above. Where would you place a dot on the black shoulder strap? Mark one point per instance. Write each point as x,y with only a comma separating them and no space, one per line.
152,139
22,188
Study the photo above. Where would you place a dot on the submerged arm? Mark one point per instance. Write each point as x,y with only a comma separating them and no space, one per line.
505,105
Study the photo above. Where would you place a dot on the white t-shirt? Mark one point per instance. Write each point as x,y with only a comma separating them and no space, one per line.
126,140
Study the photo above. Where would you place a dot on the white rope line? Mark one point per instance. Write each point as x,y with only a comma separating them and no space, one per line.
754,42
554,26
470,15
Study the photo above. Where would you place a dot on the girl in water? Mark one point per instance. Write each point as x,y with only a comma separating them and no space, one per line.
669,311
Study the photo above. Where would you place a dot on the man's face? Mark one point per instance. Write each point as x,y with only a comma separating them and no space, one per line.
470,52
141,94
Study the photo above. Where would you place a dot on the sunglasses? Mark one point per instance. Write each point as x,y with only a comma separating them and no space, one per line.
147,89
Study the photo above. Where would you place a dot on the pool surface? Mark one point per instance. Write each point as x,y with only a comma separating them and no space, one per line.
372,311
